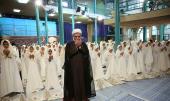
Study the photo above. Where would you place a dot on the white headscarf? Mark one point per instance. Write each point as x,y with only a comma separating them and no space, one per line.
77,30
2,47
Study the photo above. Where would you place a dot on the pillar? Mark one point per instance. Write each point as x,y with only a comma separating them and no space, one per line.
60,20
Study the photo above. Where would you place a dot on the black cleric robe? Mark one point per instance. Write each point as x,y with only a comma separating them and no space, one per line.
78,76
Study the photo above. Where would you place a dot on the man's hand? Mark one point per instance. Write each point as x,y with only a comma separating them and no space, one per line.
78,42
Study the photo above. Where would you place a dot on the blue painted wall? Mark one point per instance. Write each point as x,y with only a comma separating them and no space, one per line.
24,27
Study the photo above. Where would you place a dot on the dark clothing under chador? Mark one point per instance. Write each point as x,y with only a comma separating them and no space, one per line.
78,76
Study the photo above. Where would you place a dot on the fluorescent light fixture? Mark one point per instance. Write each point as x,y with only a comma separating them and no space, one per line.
70,17
23,1
78,22
0,15
51,14
74,17
100,18
16,10
64,4
141,0
38,2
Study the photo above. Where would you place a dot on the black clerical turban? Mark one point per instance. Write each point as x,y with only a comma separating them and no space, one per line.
76,31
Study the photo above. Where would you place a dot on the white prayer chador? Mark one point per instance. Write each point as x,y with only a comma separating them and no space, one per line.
167,58
41,61
53,84
140,60
10,80
131,67
24,69
97,67
61,57
121,60
111,67
34,82
148,58
98,71
52,73
162,59
156,52
168,53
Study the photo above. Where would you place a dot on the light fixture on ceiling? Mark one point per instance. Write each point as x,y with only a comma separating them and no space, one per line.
64,4
23,1
0,15
51,14
141,1
100,18
78,22
16,10
38,2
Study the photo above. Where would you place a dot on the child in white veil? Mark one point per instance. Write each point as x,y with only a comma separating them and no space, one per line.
9,71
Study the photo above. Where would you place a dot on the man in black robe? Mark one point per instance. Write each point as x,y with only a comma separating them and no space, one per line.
78,76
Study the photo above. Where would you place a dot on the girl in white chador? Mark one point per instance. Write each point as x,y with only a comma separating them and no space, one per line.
60,63
41,60
121,60
34,82
112,69
10,80
52,76
97,65
148,58
163,59
98,70
131,67
168,53
140,59
156,51
110,63
61,57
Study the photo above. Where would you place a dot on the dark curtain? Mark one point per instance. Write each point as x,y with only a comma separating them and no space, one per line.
67,32
106,29
101,30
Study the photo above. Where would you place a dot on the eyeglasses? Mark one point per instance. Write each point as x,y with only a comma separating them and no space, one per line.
77,36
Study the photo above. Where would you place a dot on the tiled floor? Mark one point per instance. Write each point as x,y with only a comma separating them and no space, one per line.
157,89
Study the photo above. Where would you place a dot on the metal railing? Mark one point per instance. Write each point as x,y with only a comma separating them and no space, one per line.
127,6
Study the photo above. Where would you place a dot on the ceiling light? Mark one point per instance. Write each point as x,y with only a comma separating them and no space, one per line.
38,2
0,15
23,1
16,10
75,17
100,18
141,0
70,17
51,14
64,4
78,22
